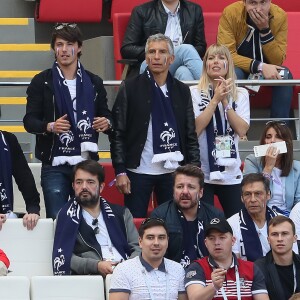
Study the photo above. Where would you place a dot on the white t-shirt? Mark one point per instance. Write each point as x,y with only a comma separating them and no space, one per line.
146,166
72,89
132,277
109,252
242,108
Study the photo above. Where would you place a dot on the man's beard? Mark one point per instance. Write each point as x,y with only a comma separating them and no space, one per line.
88,202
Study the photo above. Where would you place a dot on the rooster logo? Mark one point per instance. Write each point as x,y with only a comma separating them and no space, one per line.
66,138
83,125
166,136
59,261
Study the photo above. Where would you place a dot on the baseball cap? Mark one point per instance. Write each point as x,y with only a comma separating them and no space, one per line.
219,225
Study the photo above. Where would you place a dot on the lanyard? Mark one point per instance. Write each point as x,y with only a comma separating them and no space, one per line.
144,272
295,280
238,285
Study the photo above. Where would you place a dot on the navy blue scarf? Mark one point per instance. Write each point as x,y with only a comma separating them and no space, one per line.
69,222
211,134
250,237
166,144
81,137
200,247
6,186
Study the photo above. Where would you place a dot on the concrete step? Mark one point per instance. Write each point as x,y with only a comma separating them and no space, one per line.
17,30
25,60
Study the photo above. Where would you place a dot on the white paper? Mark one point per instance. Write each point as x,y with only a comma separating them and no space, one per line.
262,149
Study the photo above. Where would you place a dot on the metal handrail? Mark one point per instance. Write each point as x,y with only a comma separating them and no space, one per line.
289,82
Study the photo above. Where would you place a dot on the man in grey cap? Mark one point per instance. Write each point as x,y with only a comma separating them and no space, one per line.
221,275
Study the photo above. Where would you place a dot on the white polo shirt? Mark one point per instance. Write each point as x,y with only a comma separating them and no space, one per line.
137,278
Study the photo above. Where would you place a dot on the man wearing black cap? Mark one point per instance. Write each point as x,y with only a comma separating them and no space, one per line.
221,275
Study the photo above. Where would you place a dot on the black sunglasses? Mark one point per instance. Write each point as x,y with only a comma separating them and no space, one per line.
95,223
60,26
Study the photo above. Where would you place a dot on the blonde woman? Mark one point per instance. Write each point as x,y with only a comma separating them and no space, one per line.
222,114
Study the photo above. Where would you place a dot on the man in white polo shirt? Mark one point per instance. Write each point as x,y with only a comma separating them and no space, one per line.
150,275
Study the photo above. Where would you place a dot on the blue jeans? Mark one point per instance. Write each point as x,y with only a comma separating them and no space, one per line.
281,96
187,64
56,183
142,186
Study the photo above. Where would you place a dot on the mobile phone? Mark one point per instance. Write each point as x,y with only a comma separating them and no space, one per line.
284,74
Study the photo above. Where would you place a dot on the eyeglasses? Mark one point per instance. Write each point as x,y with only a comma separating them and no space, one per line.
60,26
276,123
95,223
147,220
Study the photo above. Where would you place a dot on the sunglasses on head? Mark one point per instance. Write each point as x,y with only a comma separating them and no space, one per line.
147,220
283,123
60,26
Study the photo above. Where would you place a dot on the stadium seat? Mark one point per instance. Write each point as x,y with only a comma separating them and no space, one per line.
107,285
213,6
68,11
211,23
137,222
29,251
217,203
288,5
121,6
111,193
120,21
67,287
14,288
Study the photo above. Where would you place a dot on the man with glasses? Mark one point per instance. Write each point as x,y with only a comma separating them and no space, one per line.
255,31
281,265
221,275
186,216
154,130
92,235
251,222
66,110
149,276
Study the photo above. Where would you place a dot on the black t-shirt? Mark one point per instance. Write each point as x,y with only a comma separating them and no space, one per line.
286,276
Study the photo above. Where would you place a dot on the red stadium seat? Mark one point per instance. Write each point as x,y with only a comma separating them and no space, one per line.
137,222
288,5
120,22
111,193
217,203
213,6
68,11
211,23
122,6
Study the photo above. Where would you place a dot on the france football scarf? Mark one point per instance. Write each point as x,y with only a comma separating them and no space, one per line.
71,147
6,186
250,237
70,222
164,127
217,166
199,249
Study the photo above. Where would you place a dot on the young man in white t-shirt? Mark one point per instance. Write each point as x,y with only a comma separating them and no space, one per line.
150,275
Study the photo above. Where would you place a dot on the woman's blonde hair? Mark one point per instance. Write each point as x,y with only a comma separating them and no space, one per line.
205,81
